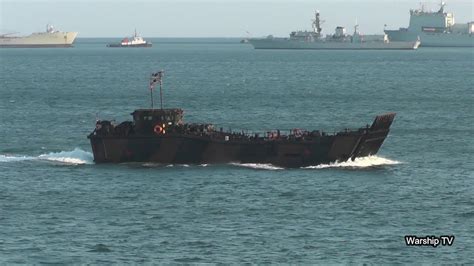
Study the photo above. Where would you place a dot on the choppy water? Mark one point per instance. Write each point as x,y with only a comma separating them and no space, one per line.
57,206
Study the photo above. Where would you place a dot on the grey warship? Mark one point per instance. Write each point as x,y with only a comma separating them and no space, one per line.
161,136
340,40
435,29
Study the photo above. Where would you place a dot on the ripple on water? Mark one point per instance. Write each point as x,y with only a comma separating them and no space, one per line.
100,248
189,259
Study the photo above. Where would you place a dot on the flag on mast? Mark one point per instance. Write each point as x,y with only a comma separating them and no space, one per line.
156,78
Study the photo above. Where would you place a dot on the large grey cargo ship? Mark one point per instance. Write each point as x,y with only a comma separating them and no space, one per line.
49,38
435,29
340,40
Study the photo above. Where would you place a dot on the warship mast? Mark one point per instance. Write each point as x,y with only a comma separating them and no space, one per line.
317,23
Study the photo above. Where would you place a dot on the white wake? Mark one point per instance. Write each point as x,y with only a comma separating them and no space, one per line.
263,166
79,157
362,162
13,158
76,156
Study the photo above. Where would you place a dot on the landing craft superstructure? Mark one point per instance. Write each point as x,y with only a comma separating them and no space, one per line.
340,40
49,38
162,136
436,29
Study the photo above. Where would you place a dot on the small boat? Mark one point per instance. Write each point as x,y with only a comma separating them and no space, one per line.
135,41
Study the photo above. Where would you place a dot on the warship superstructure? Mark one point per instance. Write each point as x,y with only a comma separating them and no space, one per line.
161,136
339,40
49,38
135,41
436,29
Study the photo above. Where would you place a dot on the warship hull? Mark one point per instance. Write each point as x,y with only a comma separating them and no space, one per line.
40,40
222,147
36,46
433,39
284,43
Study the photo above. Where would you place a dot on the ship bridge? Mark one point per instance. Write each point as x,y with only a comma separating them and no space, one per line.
147,119
421,20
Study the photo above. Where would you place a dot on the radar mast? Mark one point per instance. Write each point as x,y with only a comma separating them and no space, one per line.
356,27
317,23
442,5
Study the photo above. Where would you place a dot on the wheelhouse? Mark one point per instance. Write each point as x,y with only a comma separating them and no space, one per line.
146,120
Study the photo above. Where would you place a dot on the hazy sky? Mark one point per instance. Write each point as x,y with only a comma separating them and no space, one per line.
200,18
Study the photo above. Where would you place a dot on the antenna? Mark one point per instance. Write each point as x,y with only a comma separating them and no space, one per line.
161,88
152,84
422,5
356,27
442,5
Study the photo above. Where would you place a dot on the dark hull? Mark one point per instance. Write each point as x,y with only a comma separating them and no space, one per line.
129,46
192,149
36,45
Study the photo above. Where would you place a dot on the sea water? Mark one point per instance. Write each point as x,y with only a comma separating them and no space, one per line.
57,206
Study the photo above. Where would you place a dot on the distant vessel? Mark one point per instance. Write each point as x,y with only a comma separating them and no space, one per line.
135,41
436,29
339,40
49,38
161,136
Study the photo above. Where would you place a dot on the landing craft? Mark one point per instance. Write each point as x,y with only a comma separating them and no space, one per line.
161,136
